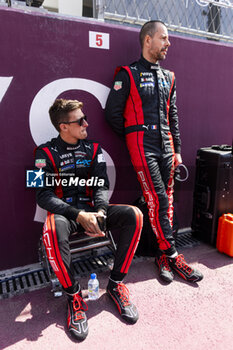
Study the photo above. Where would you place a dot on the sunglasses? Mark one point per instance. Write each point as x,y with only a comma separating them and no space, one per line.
80,121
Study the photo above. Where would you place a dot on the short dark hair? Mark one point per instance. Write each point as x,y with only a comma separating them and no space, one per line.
149,28
59,111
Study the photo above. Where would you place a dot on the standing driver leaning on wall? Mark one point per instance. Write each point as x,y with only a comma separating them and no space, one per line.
77,208
142,106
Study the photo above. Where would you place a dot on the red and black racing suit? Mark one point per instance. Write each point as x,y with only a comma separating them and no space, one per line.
74,166
142,106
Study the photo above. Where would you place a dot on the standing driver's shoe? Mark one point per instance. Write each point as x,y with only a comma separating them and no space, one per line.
179,265
165,271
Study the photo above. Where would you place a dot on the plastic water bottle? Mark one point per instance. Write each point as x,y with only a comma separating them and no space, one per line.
93,287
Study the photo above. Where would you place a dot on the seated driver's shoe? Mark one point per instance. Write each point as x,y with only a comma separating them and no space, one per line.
179,265
119,293
165,271
76,317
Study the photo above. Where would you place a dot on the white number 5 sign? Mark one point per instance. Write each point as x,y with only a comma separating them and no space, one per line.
99,40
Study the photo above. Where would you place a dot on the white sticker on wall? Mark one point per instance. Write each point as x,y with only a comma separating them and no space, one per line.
99,40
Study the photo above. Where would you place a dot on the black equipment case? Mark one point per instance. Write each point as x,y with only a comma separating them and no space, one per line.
213,191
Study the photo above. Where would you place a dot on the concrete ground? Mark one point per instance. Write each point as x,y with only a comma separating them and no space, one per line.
175,316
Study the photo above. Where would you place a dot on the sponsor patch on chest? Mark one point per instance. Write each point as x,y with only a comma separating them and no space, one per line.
66,155
67,161
101,158
147,85
80,154
66,167
147,81
163,83
80,163
146,74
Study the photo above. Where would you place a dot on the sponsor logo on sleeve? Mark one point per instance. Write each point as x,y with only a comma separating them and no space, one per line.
117,85
40,163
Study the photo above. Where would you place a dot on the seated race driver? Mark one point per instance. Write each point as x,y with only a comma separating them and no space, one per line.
68,161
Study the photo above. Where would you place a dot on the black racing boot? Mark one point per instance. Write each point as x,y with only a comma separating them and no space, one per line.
165,271
119,293
179,265
76,317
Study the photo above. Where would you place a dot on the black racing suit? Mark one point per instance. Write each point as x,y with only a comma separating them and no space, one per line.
75,179
142,106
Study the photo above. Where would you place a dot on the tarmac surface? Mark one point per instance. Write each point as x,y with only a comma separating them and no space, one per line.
180,315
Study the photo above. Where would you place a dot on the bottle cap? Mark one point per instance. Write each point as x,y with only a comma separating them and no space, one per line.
93,276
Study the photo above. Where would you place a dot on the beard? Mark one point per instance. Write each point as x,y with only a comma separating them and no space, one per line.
162,55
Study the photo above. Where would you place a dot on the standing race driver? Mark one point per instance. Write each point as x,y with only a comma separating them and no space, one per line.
77,206
142,106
